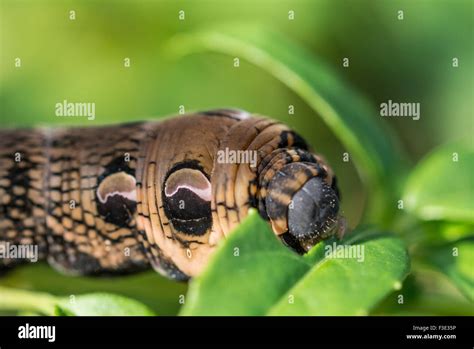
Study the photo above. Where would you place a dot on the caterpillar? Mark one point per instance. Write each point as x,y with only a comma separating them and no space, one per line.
118,199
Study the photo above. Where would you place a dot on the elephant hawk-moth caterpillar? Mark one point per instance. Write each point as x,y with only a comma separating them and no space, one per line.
117,199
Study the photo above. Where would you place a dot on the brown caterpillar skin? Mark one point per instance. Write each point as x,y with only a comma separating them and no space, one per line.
112,200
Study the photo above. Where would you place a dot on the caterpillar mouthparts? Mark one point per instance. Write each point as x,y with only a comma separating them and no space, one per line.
117,199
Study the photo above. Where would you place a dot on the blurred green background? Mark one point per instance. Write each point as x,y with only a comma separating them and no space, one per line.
82,60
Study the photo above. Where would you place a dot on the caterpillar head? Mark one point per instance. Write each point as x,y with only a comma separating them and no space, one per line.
291,187
301,200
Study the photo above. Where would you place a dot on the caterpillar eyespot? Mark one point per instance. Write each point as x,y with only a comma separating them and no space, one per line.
169,202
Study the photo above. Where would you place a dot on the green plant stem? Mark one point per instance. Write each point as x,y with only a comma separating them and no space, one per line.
22,300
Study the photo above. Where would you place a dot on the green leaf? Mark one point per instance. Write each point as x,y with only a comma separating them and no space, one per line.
442,189
93,304
441,232
349,286
102,304
455,260
349,116
149,288
426,292
247,275
252,273
27,301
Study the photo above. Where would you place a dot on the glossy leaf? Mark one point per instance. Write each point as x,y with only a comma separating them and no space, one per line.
442,186
102,304
455,260
93,304
252,273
